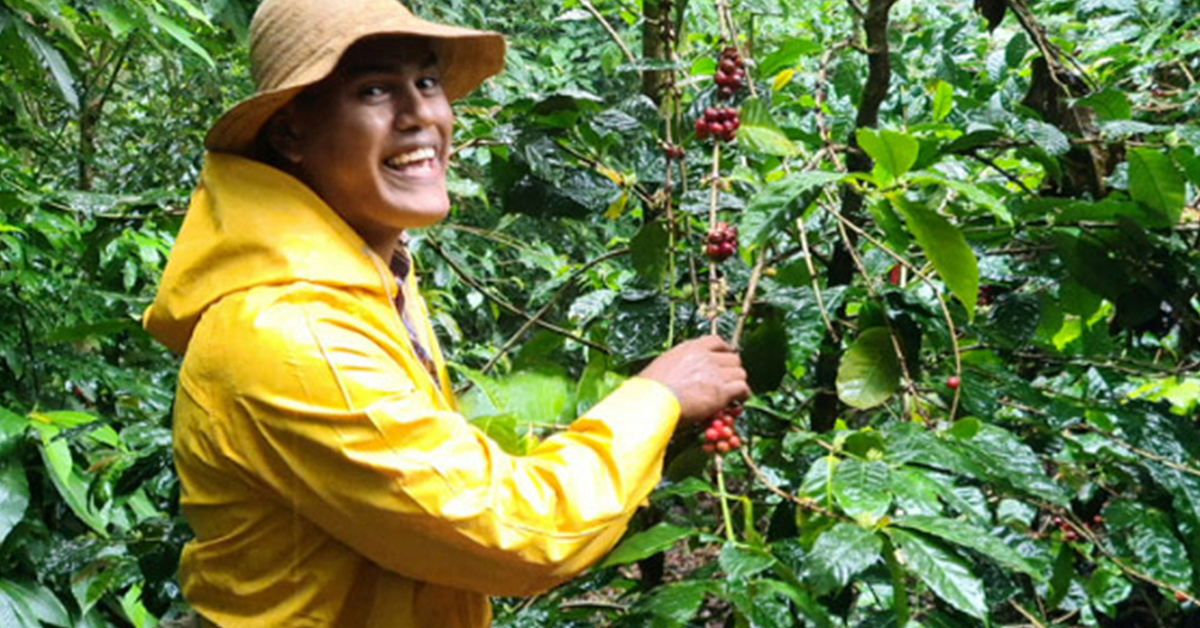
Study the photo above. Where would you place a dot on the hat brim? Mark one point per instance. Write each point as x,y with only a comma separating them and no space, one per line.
467,58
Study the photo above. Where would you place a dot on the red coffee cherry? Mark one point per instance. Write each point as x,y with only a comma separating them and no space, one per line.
953,382
730,76
720,435
721,243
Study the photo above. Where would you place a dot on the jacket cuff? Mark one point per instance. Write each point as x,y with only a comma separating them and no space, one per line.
639,412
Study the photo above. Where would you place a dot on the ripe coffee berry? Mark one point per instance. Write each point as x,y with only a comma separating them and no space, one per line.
721,243
731,74
721,123
953,382
720,436
1180,597
673,151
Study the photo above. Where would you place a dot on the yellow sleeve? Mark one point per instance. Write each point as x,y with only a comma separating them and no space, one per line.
337,429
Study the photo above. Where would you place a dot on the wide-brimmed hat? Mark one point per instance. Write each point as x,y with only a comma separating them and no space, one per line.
296,43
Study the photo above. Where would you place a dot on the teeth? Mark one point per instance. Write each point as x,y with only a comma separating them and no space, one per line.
419,154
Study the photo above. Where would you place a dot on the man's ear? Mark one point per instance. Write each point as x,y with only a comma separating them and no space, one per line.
284,134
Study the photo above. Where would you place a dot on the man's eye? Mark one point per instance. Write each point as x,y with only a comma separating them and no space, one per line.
372,91
428,82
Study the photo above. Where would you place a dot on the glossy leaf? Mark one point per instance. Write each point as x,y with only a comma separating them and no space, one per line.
1145,534
944,572
894,153
774,208
740,562
967,535
862,488
759,132
947,249
870,371
841,553
1155,181
647,543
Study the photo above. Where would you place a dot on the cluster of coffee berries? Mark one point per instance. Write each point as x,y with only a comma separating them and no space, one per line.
722,242
673,151
720,437
1069,533
731,73
719,122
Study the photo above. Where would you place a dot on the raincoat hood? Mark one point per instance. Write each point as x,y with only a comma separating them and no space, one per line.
248,225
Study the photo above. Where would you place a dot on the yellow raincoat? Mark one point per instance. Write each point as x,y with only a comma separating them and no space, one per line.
326,474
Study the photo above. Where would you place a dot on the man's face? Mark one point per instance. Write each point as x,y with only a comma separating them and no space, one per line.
373,139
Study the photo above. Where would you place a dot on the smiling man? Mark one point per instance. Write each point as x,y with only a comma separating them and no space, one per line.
324,468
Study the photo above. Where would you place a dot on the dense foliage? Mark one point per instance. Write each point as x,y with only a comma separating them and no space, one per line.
965,288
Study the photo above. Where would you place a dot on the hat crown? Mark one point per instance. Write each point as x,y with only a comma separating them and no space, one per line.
297,42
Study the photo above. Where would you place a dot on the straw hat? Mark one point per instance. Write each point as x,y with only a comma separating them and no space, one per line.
296,43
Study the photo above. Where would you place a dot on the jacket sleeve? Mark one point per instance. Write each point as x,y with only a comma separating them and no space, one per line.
339,431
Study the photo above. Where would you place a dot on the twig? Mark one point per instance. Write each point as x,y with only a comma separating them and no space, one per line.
612,33
816,285
1021,609
806,504
471,281
715,297
533,320
1007,175
748,301
941,299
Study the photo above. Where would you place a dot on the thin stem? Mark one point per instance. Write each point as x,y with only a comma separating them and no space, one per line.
748,301
724,499
612,33
714,291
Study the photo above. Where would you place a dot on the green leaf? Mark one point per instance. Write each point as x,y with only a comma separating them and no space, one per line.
1155,181
967,535
944,572
759,132
649,251
971,191
740,562
53,60
1187,159
178,33
787,55
809,607
773,209
1145,533
870,371
647,543
1107,587
841,553
947,249
1047,137
995,453
674,605
1110,104
15,612
765,352
1061,576
14,494
39,600
943,100
863,488
894,153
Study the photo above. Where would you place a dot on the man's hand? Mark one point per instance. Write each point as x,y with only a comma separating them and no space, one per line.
705,374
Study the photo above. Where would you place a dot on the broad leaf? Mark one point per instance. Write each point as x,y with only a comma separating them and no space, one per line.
674,605
1155,181
773,209
648,249
947,249
740,562
759,132
862,488
841,553
1047,137
944,572
1110,104
978,539
647,543
870,371
1000,456
943,100
53,60
1146,534
894,153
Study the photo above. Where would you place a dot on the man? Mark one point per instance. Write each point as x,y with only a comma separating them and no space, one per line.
324,469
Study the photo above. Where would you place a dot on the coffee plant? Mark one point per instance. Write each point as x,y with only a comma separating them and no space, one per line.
956,243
